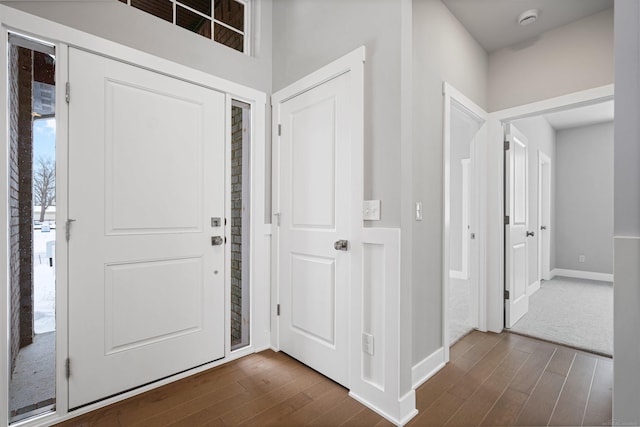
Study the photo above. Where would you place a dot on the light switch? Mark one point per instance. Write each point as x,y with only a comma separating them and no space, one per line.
371,210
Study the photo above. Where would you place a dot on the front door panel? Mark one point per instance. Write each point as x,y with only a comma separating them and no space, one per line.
146,173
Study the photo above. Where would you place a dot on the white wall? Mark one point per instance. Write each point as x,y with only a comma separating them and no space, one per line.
584,198
442,51
568,59
626,297
541,136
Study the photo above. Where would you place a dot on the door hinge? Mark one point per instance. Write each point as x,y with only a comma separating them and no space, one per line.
277,215
67,94
278,310
506,220
506,294
279,129
506,145
67,368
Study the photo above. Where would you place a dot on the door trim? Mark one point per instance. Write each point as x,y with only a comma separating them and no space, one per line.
453,96
495,186
43,29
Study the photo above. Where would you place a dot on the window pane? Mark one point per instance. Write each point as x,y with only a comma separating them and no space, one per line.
203,6
229,38
193,22
160,8
231,13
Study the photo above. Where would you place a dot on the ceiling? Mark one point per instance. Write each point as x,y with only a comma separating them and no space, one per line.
494,23
581,116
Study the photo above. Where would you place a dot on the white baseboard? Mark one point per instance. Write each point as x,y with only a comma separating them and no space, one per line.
533,287
427,367
406,407
577,274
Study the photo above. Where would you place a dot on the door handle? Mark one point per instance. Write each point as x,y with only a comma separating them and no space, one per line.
216,240
530,233
341,245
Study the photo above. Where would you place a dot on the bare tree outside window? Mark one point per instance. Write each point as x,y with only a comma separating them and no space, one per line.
44,184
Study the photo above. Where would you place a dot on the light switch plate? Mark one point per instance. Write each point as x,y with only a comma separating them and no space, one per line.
371,210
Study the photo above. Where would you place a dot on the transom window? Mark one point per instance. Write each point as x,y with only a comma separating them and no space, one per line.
224,21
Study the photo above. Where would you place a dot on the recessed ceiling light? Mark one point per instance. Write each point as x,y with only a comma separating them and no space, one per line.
528,17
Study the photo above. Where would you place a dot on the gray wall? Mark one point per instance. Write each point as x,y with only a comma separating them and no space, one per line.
541,136
584,198
308,34
131,27
571,58
442,51
626,297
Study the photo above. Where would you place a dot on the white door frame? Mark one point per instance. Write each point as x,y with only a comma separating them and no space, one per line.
63,36
495,186
453,96
351,62
543,159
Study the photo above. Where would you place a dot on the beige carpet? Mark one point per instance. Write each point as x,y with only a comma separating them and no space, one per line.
571,311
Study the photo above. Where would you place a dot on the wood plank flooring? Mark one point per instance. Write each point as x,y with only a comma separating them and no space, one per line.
492,379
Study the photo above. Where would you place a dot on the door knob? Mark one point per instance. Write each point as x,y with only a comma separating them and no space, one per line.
216,240
543,227
530,233
341,245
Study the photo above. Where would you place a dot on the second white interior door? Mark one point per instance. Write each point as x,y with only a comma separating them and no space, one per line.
146,174
314,212
517,230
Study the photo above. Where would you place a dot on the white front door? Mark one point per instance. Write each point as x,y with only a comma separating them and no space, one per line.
146,174
315,189
516,231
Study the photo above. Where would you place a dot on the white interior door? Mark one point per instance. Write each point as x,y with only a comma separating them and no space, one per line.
516,231
544,202
315,188
146,174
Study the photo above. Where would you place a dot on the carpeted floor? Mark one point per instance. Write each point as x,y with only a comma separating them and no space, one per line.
459,309
571,311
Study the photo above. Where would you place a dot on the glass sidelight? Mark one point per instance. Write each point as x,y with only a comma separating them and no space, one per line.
32,227
240,220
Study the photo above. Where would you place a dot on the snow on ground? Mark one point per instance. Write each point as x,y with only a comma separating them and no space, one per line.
44,292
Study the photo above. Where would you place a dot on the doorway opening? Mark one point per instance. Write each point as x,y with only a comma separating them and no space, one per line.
464,134
32,228
240,225
568,274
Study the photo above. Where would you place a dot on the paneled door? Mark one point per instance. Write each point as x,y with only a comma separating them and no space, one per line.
516,231
146,176
314,208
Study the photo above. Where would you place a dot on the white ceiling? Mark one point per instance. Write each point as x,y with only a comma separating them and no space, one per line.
494,23
582,116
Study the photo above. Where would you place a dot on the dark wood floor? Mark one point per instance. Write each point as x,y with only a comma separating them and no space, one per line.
493,379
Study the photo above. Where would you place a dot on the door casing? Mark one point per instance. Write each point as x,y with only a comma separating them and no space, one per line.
495,186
